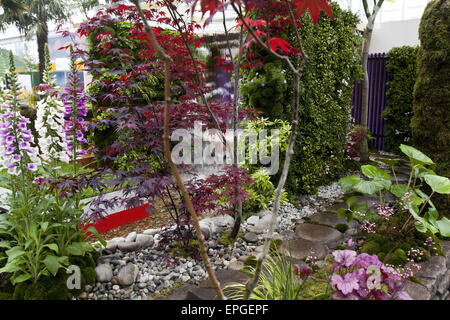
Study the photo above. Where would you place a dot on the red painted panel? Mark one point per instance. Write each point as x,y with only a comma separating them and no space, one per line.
120,218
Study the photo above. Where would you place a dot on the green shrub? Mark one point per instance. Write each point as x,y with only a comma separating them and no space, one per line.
402,69
325,97
429,125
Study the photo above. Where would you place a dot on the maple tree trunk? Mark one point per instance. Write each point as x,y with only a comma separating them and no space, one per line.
167,152
238,207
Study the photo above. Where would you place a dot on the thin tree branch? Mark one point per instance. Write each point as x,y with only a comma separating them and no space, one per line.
251,284
261,43
201,239
174,12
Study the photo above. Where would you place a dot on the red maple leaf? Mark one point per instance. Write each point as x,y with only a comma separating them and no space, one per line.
251,23
314,7
279,42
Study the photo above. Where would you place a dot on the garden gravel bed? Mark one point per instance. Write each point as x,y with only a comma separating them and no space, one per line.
127,271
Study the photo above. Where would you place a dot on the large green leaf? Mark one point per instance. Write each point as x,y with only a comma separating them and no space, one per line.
351,202
52,246
444,226
375,172
415,156
78,248
21,278
349,182
11,267
438,184
52,264
420,171
14,252
369,187
399,190
5,244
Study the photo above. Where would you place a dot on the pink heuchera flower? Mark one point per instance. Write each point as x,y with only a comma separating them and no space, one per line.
344,257
347,284
365,260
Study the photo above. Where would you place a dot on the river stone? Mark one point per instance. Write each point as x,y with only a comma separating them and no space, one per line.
318,233
104,272
131,237
263,213
129,246
433,268
111,246
144,240
252,220
223,221
301,248
151,232
128,274
250,237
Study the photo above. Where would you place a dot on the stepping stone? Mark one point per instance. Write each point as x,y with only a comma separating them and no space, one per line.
319,234
335,207
405,170
204,290
331,219
417,291
300,248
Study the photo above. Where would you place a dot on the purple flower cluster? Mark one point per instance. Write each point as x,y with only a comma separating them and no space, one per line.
74,113
364,277
17,153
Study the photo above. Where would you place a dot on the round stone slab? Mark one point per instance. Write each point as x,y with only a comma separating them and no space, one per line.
318,233
331,219
301,248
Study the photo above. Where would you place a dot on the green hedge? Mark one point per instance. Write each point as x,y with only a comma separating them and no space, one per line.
402,70
325,104
431,120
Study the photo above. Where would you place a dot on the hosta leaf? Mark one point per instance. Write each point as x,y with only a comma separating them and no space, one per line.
415,156
375,172
438,184
348,183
